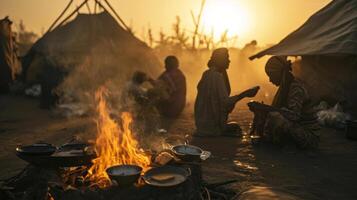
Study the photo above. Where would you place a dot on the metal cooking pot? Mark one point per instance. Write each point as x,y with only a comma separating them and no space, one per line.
188,153
124,175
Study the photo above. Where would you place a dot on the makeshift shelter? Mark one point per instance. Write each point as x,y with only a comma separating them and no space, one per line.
9,63
94,41
327,44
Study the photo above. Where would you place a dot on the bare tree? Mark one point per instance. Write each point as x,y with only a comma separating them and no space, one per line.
197,23
180,38
150,37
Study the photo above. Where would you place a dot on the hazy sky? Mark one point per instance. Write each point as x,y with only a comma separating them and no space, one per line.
267,21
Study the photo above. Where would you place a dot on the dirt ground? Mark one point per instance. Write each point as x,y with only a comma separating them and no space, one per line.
327,173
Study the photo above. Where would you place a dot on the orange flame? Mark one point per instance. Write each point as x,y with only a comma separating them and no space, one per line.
114,145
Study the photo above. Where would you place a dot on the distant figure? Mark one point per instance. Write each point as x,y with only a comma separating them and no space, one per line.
140,102
9,63
213,102
298,121
175,81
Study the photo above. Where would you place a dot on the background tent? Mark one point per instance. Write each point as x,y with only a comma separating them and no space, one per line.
327,42
89,51
332,30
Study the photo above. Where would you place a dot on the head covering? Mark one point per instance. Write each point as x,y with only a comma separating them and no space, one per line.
218,57
218,60
277,64
281,66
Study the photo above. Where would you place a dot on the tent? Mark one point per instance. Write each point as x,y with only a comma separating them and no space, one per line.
332,30
327,44
99,34
93,45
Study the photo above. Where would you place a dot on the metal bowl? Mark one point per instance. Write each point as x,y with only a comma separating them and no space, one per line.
187,152
124,175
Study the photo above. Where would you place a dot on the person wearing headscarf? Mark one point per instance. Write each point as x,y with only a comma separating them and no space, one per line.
213,101
175,83
297,121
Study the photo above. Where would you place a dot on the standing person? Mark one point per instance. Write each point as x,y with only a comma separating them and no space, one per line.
175,82
297,122
213,102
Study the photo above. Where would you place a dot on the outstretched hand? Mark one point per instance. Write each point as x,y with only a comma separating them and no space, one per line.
251,92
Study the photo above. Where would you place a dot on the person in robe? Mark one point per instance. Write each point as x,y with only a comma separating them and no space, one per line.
297,121
175,83
140,101
213,102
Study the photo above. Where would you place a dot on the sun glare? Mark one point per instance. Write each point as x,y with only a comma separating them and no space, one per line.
225,15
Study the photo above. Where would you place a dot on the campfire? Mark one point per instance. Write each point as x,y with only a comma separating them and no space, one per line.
114,145
78,171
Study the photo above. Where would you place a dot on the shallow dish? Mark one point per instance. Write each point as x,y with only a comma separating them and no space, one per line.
166,176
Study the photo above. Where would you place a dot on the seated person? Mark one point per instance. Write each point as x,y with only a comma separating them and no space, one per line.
175,83
140,102
213,102
296,121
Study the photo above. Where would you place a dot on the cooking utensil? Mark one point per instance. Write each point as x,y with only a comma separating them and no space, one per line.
124,175
166,176
69,155
38,149
187,153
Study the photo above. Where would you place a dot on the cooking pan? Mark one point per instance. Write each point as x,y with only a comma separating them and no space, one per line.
38,149
124,175
188,153
69,155
166,176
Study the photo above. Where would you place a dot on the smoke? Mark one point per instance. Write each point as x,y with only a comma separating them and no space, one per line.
108,66
243,73
113,68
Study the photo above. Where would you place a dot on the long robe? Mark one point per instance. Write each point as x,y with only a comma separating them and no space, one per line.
212,104
175,103
9,64
299,123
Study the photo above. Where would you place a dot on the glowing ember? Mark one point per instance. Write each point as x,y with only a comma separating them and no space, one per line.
114,144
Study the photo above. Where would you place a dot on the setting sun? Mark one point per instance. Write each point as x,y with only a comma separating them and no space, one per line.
226,15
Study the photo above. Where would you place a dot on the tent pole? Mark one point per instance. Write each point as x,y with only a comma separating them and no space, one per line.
59,17
116,14
73,12
95,7
101,5
88,8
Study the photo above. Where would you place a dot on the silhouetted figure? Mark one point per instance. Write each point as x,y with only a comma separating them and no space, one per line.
213,103
140,102
175,81
8,56
297,122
